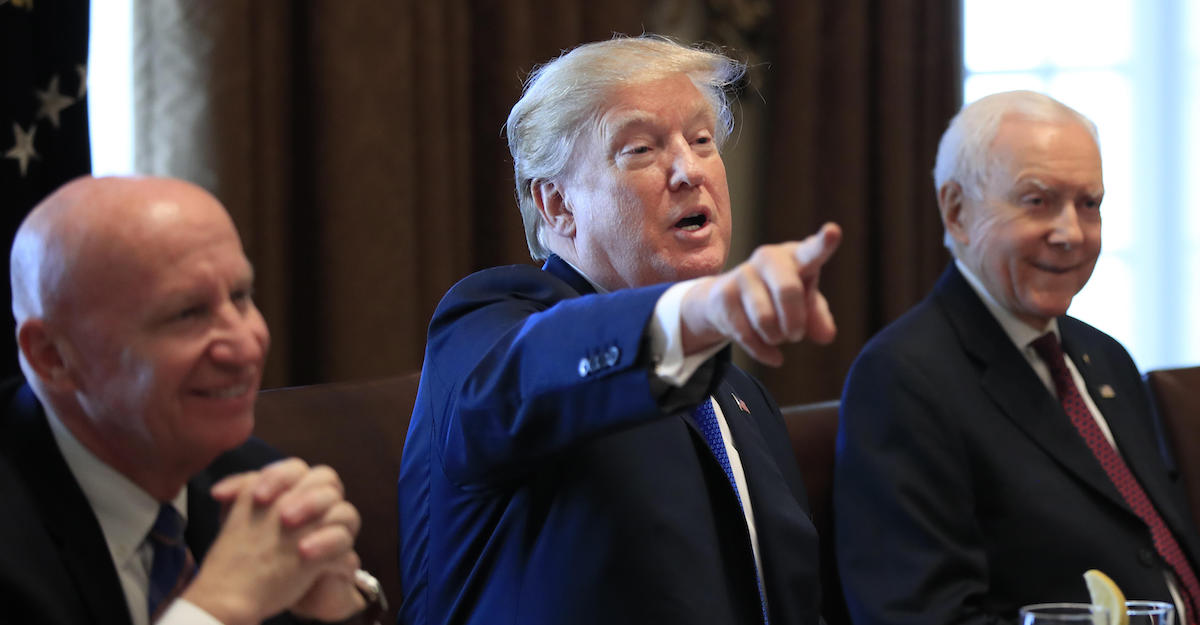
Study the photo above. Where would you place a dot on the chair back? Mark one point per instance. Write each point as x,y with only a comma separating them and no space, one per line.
1176,395
813,430
358,429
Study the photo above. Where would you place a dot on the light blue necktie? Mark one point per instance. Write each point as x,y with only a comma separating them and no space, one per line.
706,420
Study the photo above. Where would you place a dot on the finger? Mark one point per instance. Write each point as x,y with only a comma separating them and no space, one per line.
758,306
813,251
277,478
298,507
744,335
319,476
228,488
821,327
325,543
786,291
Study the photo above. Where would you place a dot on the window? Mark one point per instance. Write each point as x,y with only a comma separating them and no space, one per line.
110,87
1134,68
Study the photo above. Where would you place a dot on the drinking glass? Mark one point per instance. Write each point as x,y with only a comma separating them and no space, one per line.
1150,613
1063,614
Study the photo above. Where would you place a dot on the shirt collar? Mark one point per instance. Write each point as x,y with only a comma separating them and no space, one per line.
1019,332
125,511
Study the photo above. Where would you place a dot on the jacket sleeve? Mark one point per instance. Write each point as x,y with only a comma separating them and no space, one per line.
519,368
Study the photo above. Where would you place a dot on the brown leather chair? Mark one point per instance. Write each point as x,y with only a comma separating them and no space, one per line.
1176,395
358,428
813,430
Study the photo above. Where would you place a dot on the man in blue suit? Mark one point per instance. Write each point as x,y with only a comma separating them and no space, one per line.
143,350
581,450
979,469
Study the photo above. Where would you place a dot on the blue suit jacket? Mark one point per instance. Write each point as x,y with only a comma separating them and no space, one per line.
55,567
542,482
962,491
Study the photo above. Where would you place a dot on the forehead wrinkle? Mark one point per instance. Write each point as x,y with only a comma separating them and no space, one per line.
616,121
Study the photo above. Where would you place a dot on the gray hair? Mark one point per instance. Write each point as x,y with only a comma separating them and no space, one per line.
563,97
964,153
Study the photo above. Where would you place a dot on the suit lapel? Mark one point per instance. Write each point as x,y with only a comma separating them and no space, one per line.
1119,405
1015,388
67,515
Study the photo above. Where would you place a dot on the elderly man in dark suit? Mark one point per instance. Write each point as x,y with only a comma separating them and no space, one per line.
581,450
143,352
992,449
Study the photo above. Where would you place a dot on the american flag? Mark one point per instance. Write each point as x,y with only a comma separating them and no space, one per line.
43,116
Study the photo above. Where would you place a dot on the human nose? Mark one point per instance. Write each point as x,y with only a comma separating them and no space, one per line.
685,166
1067,231
241,337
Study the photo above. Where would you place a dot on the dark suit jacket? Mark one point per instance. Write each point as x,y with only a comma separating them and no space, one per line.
962,490
55,568
541,482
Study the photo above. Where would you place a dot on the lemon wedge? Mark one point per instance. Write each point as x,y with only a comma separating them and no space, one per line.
1107,594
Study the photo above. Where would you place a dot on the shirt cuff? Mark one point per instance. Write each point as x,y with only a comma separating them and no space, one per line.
666,339
184,612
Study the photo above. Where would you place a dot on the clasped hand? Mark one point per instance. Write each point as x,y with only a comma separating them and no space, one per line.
287,543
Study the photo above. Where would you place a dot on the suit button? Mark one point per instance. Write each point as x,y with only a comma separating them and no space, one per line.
585,367
611,356
1147,557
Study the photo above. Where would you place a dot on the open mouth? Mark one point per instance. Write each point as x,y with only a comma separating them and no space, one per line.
692,222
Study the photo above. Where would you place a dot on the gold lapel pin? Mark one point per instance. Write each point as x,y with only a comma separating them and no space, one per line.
1107,391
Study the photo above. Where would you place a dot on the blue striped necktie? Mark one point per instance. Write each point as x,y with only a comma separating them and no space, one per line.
706,419
172,566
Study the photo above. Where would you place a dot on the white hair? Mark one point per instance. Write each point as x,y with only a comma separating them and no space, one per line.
964,153
563,98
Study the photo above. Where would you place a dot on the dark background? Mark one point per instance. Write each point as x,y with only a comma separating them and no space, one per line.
359,146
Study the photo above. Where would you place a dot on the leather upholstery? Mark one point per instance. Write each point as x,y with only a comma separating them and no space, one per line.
358,428
1176,395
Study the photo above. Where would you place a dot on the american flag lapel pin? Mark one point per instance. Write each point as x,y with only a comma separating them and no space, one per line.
1107,391
740,404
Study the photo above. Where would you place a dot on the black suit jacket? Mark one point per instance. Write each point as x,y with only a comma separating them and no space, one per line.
55,567
542,482
962,490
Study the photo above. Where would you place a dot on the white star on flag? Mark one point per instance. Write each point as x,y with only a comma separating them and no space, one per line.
53,102
23,150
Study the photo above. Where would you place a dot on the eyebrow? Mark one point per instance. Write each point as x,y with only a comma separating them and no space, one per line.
1042,185
633,118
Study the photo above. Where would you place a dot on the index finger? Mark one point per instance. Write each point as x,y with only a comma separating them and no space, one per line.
814,250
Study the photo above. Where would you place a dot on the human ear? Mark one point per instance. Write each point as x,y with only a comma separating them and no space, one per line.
950,205
552,204
44,354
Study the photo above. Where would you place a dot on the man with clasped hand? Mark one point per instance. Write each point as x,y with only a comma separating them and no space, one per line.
143,353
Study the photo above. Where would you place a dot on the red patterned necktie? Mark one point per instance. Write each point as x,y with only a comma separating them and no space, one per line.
1131,491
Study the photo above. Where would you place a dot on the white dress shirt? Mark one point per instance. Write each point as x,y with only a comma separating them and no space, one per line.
666,349
1022,335
126,513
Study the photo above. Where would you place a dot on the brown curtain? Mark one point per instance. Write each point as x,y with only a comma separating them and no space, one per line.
359,147
860,93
